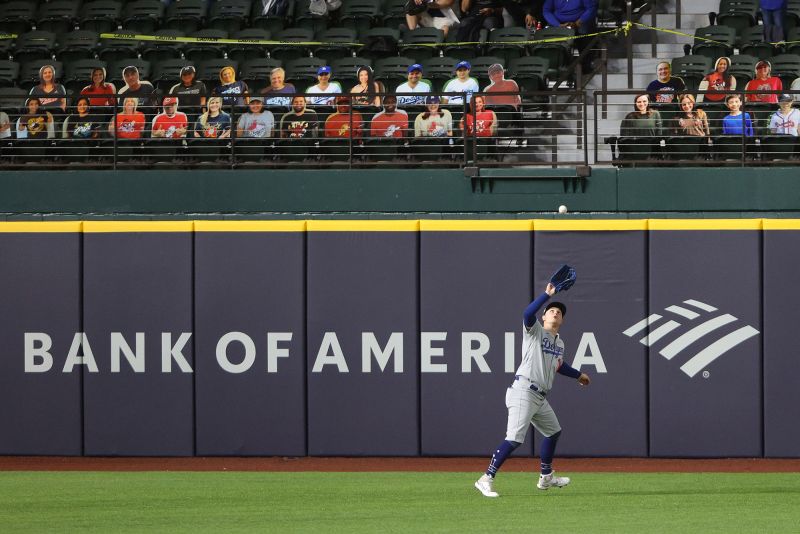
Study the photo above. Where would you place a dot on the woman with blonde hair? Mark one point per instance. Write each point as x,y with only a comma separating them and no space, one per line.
691,121
214,123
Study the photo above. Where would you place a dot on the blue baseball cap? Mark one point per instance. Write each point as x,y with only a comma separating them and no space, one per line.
323,70
463,65
415,66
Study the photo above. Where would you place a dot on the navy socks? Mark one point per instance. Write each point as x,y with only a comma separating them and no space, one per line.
546,454
500,455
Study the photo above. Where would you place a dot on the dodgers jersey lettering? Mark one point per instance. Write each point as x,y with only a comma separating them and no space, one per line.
542,354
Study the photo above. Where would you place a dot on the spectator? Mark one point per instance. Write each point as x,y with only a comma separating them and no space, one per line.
171,123
534,13
579,15
191,92
300,123
785,121
643,121
391,122
437,14
478,15
691,121
277,85
214,123
257,122
100,92
233,92
764,81
773,14
367,88
501,85
83,124
129,123
415,84
324,87
433,122
275,8
5,125
52,96
141,89
718,80
36,123
462,83
666,86
795,87
479,121
346,122
735,123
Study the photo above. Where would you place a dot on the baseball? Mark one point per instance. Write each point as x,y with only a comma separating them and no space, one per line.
562,209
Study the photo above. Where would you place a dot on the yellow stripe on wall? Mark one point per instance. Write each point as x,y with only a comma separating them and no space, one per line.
363,226
479,225
111,227
781,224
250,226
589,225
705,224
41,227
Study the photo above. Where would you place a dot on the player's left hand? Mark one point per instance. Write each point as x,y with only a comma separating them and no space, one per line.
550,289
584,379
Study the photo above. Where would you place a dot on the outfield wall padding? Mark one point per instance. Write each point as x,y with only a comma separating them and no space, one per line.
393,338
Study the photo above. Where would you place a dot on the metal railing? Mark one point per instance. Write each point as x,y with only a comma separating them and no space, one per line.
538,131
666,135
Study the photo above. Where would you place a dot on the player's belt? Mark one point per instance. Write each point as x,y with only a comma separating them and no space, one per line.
531,385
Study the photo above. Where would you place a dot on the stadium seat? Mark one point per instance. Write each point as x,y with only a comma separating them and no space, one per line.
778,147
793,37
167,73
439,70
379,43
737,14
34,45
242,52
79,44
530,73
5,48
272,24
111,50
255,72
499,42
345,70
9,73
12,100
359,14
114,71
335,35
692,69
78,73
101,16
683,148
302,72
288,52
229,15
394,14
558,54
792,14
786,67
17,17
143,16
208,71
185,15
751,42
29,72
393,70
158,50
416,43
743,68
725,36
58,17
197,52
303,18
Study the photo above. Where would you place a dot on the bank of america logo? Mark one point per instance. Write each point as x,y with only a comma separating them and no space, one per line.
655,327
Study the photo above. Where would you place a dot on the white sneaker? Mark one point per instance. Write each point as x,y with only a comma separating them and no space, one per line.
484,485
551,481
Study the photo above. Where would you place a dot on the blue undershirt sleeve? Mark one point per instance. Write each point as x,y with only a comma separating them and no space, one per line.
567,370
530,312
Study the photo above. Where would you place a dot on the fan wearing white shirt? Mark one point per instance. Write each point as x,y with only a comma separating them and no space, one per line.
324,87
415,84
462,83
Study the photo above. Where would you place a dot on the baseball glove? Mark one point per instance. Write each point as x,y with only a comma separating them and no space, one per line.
563,278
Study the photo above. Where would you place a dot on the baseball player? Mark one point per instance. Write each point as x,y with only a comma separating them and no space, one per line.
526,399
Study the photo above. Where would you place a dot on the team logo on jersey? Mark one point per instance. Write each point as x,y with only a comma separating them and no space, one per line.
693,318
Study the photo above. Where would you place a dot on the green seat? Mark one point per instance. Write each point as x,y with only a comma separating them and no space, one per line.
143,16
229,15
723,39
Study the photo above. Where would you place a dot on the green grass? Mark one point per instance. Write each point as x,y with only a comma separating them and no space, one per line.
673,503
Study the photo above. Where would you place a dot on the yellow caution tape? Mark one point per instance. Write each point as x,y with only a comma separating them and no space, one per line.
215,40
8,36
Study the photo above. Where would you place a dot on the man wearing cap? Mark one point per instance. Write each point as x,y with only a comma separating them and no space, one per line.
415,84
764,81
785,121
542,357
171,123
462,83
324,87
191,92
141,89
257,122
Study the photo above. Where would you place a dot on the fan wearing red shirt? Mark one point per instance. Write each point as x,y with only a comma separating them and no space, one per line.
129,123
171,123
338,124
100,92
764,82
391,122
479,119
